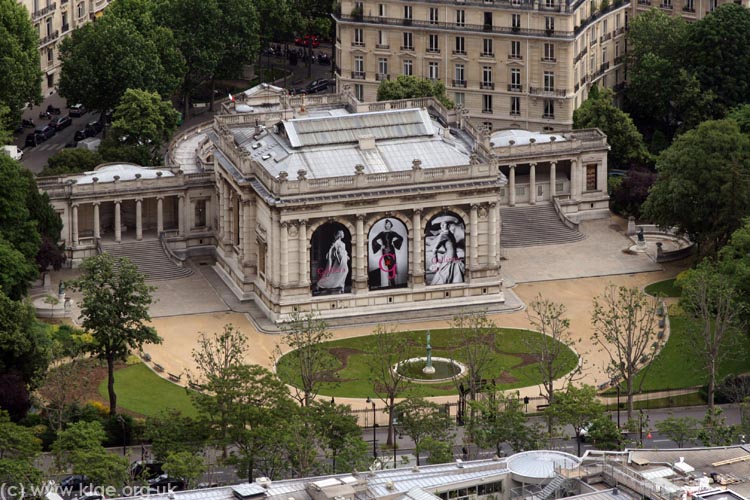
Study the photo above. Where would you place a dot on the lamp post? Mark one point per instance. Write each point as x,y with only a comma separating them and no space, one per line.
618,406
374,436
121,420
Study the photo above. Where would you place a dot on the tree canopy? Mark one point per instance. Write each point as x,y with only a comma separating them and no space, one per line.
71,161
410,87
20,73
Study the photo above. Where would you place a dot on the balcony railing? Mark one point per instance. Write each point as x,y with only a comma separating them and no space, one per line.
593,41
459,52
382,76
487,111
432,50
515,88
548,91
516,57
515,113
688,8
619,59
605,37
666,6
459,83
487,86
551,7
358,75
548,116
358,44
49,38
407,47
487,54
65,28
43,12
644,2
382,46
576,87
549,59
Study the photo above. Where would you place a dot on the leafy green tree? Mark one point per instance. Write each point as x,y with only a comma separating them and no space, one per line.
501,419
631,191
186,466
734,265
354,455
79,447
420,419
62,382
71,161
703,184
77,437
174,433
101,60
115,309
741,116
681,430
8,124
714,430
719,52
577,407
626,142
48,225
410,87
337,428
19,447
474,332
604,433
711,299
438,451
20,76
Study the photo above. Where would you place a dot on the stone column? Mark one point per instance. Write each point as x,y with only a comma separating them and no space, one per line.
304,268
493,234
97,224
474,238
512,186
118,222
360,277
416,246
220,200
283,246
601,177
574,187
532,183
159,215
74,225
181,214
552,179
138,219
247,230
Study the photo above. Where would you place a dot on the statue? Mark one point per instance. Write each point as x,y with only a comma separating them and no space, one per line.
428,369
640,234
61,289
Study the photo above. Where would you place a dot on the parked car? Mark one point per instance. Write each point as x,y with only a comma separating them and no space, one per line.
74,482
164,483
12,151
32,140
61,122
45,131
77,110
305,41
95,127
146,470
317,86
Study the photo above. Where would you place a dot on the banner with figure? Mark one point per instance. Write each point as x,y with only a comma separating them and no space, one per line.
388,254
330,259
445,249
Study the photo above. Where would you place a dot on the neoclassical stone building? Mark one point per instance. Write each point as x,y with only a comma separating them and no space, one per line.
327,203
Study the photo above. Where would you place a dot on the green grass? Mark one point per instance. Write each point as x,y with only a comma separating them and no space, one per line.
142,391
666,288
508,366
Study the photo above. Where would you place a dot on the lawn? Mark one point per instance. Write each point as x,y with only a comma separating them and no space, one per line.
510,366
142,391
666,288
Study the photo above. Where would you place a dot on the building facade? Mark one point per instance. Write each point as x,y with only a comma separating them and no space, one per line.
347,208
54,20
511,63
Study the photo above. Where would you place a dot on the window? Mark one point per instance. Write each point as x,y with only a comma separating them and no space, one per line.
49,26
460,80
459,98
617,50
407,12
689,6
515,79
549,81
433,15
617,21
359,92
487,47
591,177
549,23
50,55
487,78
460,47
382,40
51,80
262,249
604,55
359,64
359,37
486,103
515,106
408,42
549,51
460,18
383,66
515,21
433,71
408,67
549,108
549,4
432,44
381,10
515,49
200,213
65,24
81,10
488,21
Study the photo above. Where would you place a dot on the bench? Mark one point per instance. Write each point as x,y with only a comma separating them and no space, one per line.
158,367
173,377
541,407
194,386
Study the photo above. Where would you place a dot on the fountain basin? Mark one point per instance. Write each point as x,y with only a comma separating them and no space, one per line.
445,370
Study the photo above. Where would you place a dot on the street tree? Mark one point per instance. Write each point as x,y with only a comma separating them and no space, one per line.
577,407
714,430
185,465
79,436
20,73
19,447
734,264
625,321
171,432
604,433
741,116
626,142
389,349
71,161
500,419
305,334
681,430
411,87
8,124
115,310
338,429
703,184
47,223
420,419
710,299
475,335
79,447
438,451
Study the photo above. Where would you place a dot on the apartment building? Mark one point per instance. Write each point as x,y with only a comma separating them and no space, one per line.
509,63
54,20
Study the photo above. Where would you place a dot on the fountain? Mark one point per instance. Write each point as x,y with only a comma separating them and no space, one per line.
428,369
53,306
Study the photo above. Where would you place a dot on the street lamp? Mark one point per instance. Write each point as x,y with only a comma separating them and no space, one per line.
374,436
618,406
121,420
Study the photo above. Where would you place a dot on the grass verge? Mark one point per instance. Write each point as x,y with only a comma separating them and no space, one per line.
666,288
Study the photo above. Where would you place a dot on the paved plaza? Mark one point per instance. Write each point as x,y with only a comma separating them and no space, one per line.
571,274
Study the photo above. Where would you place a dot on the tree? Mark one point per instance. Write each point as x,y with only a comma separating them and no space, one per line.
741,116
708,297
714,430
681,430
632,191
703,184
48,225
420,419
173,433
305,334
389,349
500,419
438,451
734,265
20,76
142,124
114,309
18,450
719,48
186,466
577,407
337,428
475,334
624,321
80,436
71,161
101,60
412,87
8,124
626,142
604,433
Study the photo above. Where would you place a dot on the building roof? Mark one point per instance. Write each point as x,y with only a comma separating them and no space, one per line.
502,138
541,464
123,171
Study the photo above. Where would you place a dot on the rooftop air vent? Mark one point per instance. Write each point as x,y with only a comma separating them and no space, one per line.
257,145
266,156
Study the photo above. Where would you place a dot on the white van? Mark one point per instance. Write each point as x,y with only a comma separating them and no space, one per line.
13,152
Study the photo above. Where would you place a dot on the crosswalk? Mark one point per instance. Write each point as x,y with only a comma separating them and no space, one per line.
47,146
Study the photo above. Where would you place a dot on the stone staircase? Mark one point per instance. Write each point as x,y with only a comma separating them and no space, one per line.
150,258
534,225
